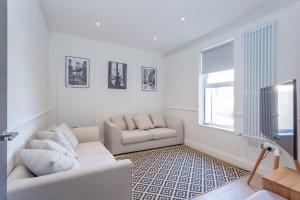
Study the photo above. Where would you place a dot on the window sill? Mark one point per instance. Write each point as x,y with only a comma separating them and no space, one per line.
232,131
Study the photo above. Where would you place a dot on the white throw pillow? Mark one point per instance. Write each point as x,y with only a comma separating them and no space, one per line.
67,132
130,123
49,145
143,122
58,138
43,162
119,121
158,121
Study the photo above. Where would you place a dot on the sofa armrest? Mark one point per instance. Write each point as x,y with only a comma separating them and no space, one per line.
109,181
112,137
87,134
176,124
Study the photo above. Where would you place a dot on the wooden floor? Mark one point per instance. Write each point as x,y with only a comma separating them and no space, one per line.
238,190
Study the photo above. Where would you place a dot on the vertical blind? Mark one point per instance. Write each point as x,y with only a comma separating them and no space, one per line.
218,58
259,72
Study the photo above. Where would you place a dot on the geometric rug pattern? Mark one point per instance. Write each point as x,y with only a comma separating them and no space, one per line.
177,173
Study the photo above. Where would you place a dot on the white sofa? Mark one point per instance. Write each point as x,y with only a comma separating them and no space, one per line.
118,141
100,176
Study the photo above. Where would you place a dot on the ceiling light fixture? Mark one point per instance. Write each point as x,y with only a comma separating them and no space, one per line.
98,23
183,19
155,38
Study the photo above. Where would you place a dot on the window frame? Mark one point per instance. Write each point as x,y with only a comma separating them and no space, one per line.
215,85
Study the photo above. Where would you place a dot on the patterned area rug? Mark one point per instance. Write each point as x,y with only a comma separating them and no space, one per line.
177,173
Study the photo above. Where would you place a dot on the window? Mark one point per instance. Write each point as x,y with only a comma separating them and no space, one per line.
216,93
219,99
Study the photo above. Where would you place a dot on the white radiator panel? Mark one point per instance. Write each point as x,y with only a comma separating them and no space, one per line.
259,46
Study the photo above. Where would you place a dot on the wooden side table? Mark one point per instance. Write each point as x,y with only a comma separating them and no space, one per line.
284,182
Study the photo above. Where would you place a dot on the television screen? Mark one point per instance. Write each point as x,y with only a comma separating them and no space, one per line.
278,115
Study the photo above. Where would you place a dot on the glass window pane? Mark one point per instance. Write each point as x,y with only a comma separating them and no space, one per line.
220,77
219,104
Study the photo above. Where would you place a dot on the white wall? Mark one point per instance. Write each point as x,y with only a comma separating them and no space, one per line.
181,87
89,106
28,104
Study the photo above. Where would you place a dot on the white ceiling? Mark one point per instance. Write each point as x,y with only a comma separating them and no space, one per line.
136,22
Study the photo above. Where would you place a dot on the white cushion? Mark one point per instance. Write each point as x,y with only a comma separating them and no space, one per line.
129,121
135,136
92,160
49,145
44,162
67,132
158,121
162,133
91,148
143,122
58,138
119,121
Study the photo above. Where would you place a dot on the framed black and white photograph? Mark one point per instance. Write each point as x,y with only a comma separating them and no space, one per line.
77,72
149,79
117,75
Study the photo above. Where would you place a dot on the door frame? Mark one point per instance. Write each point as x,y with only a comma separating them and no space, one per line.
3,97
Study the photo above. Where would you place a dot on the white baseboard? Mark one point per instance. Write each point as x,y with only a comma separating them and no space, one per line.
230,158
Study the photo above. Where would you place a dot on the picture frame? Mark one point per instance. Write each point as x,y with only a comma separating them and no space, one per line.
77,72
149,78
117,75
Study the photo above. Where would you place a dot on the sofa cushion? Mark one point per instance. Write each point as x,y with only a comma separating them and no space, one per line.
44,162
58,138
129,121
135,136
67,132
143,122
162,133
158,121
119,121
90,148
98,159
49,145
20,172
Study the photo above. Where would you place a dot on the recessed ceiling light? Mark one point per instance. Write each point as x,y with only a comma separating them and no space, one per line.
183,19
155,38
98,23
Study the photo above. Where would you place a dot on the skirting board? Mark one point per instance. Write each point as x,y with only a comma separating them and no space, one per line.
232,159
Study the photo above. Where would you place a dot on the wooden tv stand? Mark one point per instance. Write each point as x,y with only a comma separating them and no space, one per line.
284,182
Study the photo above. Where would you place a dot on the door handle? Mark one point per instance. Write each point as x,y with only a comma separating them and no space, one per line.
7,136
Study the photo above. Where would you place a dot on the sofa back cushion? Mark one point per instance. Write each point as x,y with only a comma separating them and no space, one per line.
158,121
130,123
119,121
143,122
58,138
44,162
67,132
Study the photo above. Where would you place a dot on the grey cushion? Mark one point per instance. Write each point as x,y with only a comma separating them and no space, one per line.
58,138
45,162
158,121
49,145
162,133
129,121
129,137
67,132
119,121
143,122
